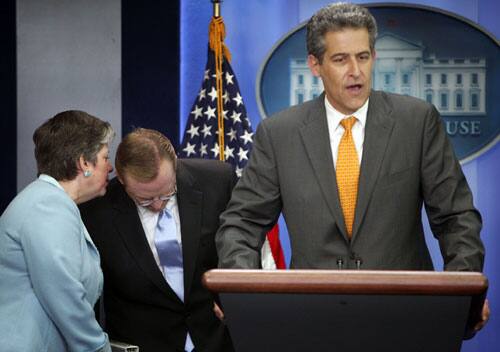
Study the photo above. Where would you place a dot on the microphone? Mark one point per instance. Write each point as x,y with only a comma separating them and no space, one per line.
358,261
340,263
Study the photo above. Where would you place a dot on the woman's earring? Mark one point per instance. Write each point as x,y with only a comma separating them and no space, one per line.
87,173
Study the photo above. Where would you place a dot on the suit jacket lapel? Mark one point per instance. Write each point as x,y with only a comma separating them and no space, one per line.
316,141
190,203
379,125
129,226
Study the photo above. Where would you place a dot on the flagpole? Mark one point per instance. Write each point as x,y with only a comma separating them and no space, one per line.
217,34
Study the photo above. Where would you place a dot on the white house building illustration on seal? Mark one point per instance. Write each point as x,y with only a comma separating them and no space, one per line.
455,85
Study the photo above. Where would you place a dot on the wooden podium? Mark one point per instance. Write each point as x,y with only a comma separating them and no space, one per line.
344,310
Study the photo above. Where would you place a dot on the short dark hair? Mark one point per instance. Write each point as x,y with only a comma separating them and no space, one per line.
64,138
336,17
140,153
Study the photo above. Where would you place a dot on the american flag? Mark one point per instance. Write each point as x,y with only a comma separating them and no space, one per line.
202,132
201,137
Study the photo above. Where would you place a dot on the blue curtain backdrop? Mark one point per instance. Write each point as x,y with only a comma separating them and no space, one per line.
253,28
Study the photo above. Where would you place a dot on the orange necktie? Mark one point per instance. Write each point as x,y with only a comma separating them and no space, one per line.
347,173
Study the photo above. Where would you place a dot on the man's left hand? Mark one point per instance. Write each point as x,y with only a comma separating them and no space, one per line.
218,312
485,315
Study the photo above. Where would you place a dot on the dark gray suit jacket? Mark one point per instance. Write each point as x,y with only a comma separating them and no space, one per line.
407,162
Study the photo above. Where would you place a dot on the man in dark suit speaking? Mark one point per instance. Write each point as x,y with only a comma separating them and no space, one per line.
155,232
351,170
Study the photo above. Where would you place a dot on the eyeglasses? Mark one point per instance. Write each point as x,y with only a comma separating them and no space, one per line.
148,202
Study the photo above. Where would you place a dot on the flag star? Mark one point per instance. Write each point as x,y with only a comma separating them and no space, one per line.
210,112
225,96
189,149
193,131
197,111
215,150
203,150
231,134
213,93
236,117
242,154
229,78
238,99
228,152
224,114
206,76
239,171
206,130
202,94
247,137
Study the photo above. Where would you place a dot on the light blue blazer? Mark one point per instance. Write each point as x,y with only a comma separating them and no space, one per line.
50,275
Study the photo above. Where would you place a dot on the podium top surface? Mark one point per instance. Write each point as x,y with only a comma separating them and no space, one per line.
346,282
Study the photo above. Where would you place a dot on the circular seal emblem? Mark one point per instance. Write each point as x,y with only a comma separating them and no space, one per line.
421,51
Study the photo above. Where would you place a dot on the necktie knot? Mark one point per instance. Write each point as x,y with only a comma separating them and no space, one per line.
164,218
347,123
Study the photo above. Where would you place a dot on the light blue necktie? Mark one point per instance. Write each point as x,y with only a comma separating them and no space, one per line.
170,254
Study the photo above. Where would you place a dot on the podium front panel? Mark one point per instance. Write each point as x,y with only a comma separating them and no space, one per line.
322,322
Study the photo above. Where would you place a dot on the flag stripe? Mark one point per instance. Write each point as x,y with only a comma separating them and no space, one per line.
273,237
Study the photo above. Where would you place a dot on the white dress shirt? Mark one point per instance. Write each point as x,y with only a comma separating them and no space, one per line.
149,219
335,129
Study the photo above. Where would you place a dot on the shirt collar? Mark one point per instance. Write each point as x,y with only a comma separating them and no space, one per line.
335,116
51,180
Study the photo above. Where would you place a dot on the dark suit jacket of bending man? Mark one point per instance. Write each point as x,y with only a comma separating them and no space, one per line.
407,161
140,307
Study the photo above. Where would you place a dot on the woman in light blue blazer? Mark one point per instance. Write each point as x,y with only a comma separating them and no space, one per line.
50,276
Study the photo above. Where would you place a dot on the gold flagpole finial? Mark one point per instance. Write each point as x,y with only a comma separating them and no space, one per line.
216,4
